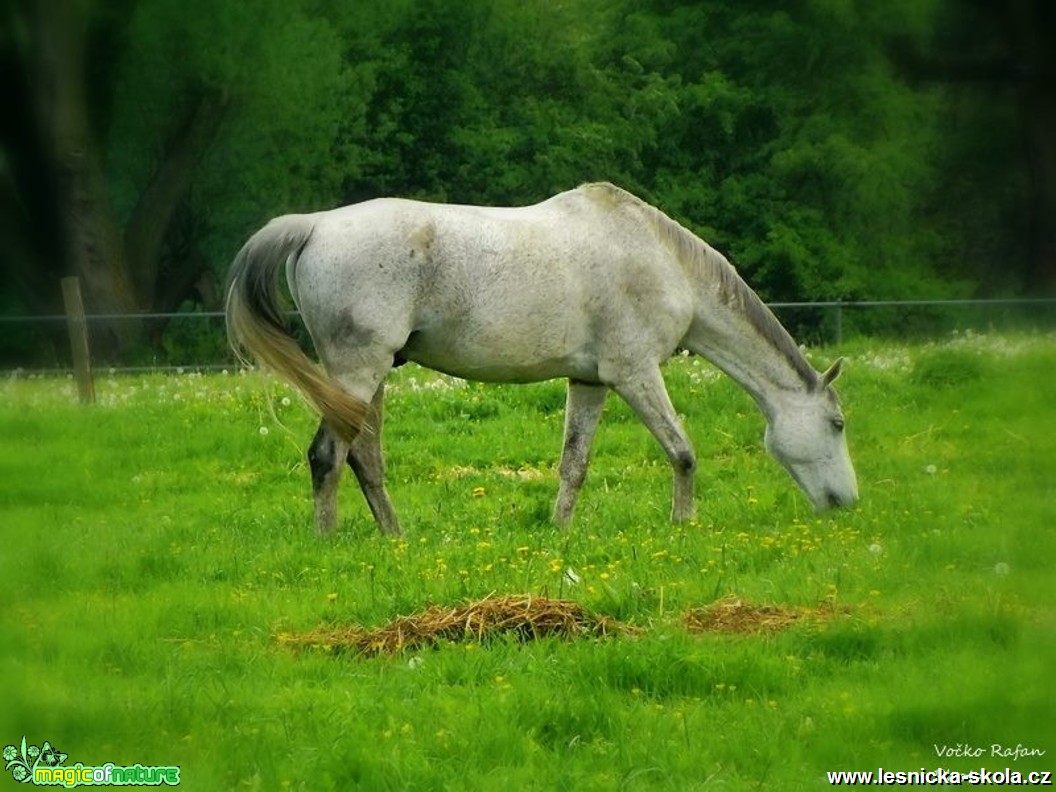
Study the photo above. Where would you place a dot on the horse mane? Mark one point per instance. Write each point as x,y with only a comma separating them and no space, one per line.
712,267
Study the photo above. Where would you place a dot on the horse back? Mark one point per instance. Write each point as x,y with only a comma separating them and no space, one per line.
490,292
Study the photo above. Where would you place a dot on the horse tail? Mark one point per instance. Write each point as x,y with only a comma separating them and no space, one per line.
255,327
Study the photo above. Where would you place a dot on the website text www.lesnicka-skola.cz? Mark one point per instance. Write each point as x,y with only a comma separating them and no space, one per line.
940,777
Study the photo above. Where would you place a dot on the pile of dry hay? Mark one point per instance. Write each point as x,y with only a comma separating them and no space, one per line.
733,615
524,617
527,618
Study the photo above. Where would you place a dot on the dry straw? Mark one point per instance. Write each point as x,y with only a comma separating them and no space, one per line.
733,615
527,618
523,617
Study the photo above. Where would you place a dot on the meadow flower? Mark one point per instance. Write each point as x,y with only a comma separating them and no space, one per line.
876,549
931,470
1001,568
263,431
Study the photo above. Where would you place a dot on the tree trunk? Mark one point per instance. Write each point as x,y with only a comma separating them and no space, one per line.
145,233
94,249
120,272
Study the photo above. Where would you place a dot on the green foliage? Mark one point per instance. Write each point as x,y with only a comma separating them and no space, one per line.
289,89
791,136
157,543
783,134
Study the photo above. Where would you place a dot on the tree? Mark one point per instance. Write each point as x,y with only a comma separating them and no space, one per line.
183,98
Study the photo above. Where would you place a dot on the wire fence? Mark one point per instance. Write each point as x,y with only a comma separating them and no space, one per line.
183,341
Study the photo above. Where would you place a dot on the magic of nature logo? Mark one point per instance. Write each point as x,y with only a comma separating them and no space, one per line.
46,765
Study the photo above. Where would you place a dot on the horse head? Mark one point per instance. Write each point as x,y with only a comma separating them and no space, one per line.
806,434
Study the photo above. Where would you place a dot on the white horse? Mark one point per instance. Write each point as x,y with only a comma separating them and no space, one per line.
592,285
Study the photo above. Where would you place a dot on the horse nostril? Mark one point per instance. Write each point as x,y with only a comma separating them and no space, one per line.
834,501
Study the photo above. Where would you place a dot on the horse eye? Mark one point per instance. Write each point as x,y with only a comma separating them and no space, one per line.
837,424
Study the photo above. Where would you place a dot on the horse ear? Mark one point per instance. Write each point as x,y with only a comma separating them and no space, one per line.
830,376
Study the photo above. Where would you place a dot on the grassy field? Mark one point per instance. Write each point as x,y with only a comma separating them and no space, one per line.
157,544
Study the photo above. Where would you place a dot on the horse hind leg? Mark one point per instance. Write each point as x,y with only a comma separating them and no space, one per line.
325,456
368,464
359,358
582,412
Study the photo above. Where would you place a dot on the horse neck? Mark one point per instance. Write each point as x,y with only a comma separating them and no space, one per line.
768,371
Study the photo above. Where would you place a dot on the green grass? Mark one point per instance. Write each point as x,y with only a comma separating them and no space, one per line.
155,544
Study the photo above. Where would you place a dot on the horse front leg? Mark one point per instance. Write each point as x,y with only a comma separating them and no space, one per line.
367,462
582,411
325,457
647,396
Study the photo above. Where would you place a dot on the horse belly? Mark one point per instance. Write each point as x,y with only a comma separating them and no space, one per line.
505,349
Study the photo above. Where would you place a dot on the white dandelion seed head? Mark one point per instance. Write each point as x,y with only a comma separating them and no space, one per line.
263,431
876,549
1001,568
931,470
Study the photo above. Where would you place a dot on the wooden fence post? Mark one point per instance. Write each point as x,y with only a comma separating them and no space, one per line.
77,325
